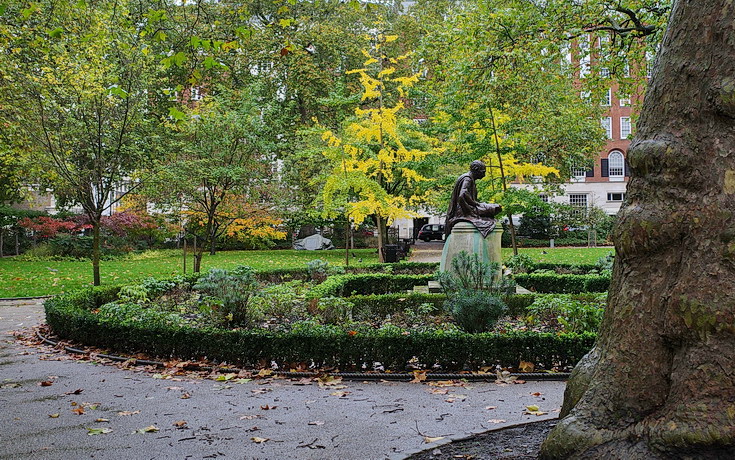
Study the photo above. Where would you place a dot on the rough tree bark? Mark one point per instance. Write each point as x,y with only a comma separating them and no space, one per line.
661,381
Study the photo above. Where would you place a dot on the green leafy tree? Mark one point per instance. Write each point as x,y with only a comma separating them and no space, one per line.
220,168
76,88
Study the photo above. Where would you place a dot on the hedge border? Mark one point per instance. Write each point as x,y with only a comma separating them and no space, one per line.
71,317
563,283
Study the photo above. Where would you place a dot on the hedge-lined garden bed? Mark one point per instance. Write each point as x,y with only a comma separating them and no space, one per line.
72,317
563,283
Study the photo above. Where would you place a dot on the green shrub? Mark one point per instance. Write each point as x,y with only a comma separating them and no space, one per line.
470,273
474,310
520,263
317,270
335,310
284,300
226,294
133,294
605,263
574,313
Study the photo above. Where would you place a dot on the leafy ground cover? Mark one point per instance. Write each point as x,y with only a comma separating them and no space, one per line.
25,278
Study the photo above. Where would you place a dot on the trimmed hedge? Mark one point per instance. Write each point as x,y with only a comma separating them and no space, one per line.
563,284
72,317
559,266
402,268
365,284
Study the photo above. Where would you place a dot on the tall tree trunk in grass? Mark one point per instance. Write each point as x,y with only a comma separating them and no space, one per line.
96,251
661,381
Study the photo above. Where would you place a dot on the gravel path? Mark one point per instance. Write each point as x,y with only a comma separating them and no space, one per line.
262,419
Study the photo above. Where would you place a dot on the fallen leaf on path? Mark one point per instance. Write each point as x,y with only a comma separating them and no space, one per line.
447,383
56,415
526,366
127,412
304,381
10,385
241,381
267,407
96,431
45,383
341,394
329,381
316,422
249,417
258,440
491,407
79,410
100,420
75,392
418,376
439,391
536,394
264,373
148,429
185,396
179,424
496,420
428,439
225,377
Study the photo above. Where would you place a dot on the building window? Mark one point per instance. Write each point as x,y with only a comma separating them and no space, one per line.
607,126
604,72
616,164
579,173
195,94
607,98
624,127
615,196
584,56
544,198
578,201
624,101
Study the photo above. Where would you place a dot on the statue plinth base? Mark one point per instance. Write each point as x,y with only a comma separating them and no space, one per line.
465,237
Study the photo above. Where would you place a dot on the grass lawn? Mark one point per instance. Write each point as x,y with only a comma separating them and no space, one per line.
27,279
562,255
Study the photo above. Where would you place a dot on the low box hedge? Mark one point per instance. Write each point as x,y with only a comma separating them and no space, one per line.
402,268
365,284
72,317
563,284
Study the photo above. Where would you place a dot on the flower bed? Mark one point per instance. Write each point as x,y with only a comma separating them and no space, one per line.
179,317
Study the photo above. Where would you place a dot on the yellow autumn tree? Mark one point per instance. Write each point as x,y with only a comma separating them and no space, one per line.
376,155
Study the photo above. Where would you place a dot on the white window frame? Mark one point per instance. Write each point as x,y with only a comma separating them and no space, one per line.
611,198
579,201
616,166
626,128
607,100
606,123
578,174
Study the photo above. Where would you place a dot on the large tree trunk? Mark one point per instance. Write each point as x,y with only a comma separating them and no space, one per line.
661,381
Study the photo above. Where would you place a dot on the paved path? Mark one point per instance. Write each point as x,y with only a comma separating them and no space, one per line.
362,421
426,252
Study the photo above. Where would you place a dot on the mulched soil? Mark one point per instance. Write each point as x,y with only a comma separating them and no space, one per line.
520,442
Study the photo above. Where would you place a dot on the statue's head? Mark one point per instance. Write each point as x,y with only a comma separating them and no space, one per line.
477,168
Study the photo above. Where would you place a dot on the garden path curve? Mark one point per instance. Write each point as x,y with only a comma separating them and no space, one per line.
362,421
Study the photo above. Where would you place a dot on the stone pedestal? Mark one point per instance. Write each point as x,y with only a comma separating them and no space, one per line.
465,237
